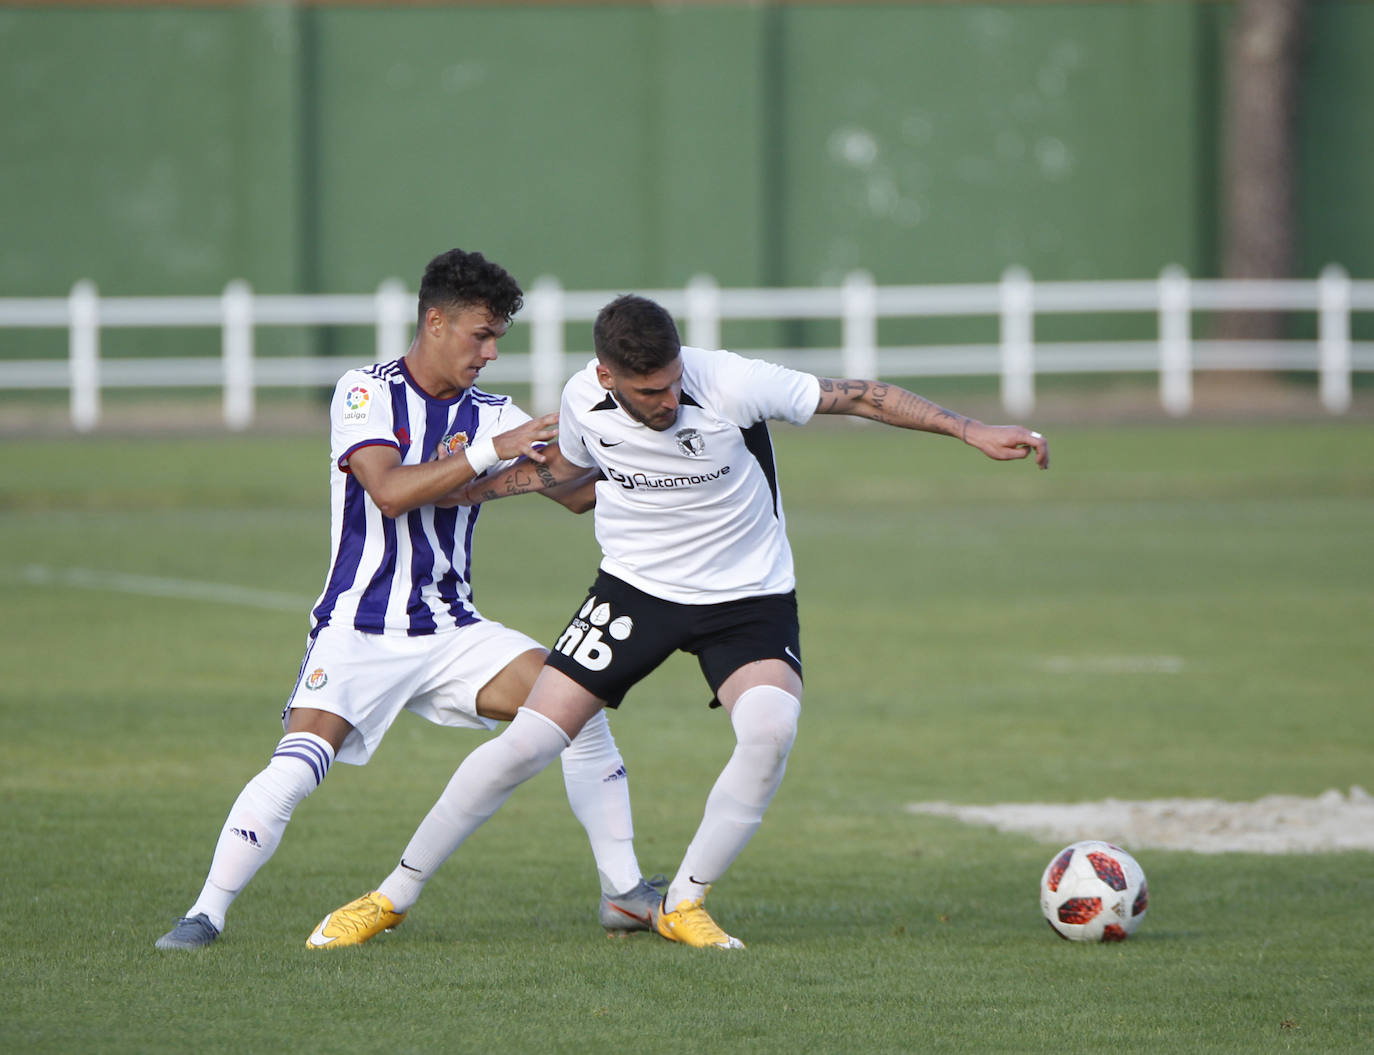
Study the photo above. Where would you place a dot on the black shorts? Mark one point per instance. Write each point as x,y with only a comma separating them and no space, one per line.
621,635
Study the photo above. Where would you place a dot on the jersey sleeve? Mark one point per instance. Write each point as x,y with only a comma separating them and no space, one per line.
508,416
748,391
359,416
572,441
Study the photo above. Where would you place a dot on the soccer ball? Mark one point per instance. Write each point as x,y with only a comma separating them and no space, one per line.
1093,891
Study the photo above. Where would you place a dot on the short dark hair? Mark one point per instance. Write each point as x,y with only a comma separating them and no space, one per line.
635,334
459,279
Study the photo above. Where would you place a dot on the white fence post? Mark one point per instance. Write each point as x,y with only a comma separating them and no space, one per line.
1333,338
236,342
1018,341
393,312
1175,341
859,304
546,345
703,312
83,344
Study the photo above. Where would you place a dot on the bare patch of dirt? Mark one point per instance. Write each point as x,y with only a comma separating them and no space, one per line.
1275,824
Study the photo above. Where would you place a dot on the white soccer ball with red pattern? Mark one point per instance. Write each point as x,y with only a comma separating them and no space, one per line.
1093,891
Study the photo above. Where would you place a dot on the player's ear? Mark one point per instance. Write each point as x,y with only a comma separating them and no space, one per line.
434,321
604,376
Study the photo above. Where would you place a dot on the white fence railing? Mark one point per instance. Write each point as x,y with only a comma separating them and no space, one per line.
858,303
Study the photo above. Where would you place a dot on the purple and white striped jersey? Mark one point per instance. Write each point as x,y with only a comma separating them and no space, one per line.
412,574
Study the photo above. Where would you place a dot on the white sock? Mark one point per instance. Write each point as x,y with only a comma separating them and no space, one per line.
765,721
258,818
481,784
599,794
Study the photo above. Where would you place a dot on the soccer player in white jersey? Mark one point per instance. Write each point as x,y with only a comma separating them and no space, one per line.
695,558
395,627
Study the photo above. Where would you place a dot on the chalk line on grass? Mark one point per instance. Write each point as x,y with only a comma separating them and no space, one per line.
1112,664
158,586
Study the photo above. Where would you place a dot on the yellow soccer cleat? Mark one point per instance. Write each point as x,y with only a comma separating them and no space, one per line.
356,922
690,924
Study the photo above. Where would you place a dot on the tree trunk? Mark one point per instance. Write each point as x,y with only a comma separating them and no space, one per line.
1259,196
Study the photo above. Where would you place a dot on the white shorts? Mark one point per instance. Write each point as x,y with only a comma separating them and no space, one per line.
368,679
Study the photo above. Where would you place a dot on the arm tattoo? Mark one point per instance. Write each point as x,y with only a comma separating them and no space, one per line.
834,392
546,475
517,481
889,404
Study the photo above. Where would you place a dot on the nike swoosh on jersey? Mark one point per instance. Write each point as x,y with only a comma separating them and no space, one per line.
603,443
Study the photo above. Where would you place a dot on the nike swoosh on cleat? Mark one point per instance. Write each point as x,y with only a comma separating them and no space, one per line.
317,938
646,918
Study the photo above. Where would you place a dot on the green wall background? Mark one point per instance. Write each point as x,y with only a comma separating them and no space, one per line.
170,149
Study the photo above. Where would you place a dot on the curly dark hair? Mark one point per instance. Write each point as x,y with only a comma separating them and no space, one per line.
635,334
459,279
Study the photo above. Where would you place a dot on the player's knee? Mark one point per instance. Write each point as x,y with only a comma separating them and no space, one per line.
593,742
299,763
766,715
531,742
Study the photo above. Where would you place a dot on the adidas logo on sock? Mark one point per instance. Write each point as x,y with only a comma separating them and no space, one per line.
250,837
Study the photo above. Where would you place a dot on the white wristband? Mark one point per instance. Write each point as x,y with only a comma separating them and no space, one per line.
481,455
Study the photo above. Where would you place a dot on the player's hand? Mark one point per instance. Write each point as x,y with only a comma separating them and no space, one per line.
1008,442
528,439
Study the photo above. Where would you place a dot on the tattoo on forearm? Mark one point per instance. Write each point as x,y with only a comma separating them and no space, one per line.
889,404
518,482
546,475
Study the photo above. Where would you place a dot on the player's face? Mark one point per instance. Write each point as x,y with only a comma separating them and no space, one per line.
651,399
466,339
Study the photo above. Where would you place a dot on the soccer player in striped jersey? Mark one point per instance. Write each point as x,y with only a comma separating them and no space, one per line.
395,627
695,558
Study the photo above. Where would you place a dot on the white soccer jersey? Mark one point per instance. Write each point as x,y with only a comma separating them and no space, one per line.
693,514
412,574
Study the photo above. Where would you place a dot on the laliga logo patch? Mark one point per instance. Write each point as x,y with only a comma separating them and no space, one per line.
452,444
318,679
357,404
690,441
583,640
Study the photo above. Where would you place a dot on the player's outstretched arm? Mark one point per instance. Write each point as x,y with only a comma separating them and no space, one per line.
397,488
579,493
551,473
893,405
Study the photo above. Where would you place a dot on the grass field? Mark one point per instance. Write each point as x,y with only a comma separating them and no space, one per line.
945,600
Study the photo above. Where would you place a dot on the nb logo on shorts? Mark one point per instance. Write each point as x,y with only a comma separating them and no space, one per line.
584,641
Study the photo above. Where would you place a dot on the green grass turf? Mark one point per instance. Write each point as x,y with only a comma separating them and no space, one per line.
961,620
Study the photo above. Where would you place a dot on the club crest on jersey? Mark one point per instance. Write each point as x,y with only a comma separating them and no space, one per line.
318,679
690,441
583,639
452,444
357,405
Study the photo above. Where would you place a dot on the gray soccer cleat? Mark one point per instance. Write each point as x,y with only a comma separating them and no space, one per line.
633,910
191,932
